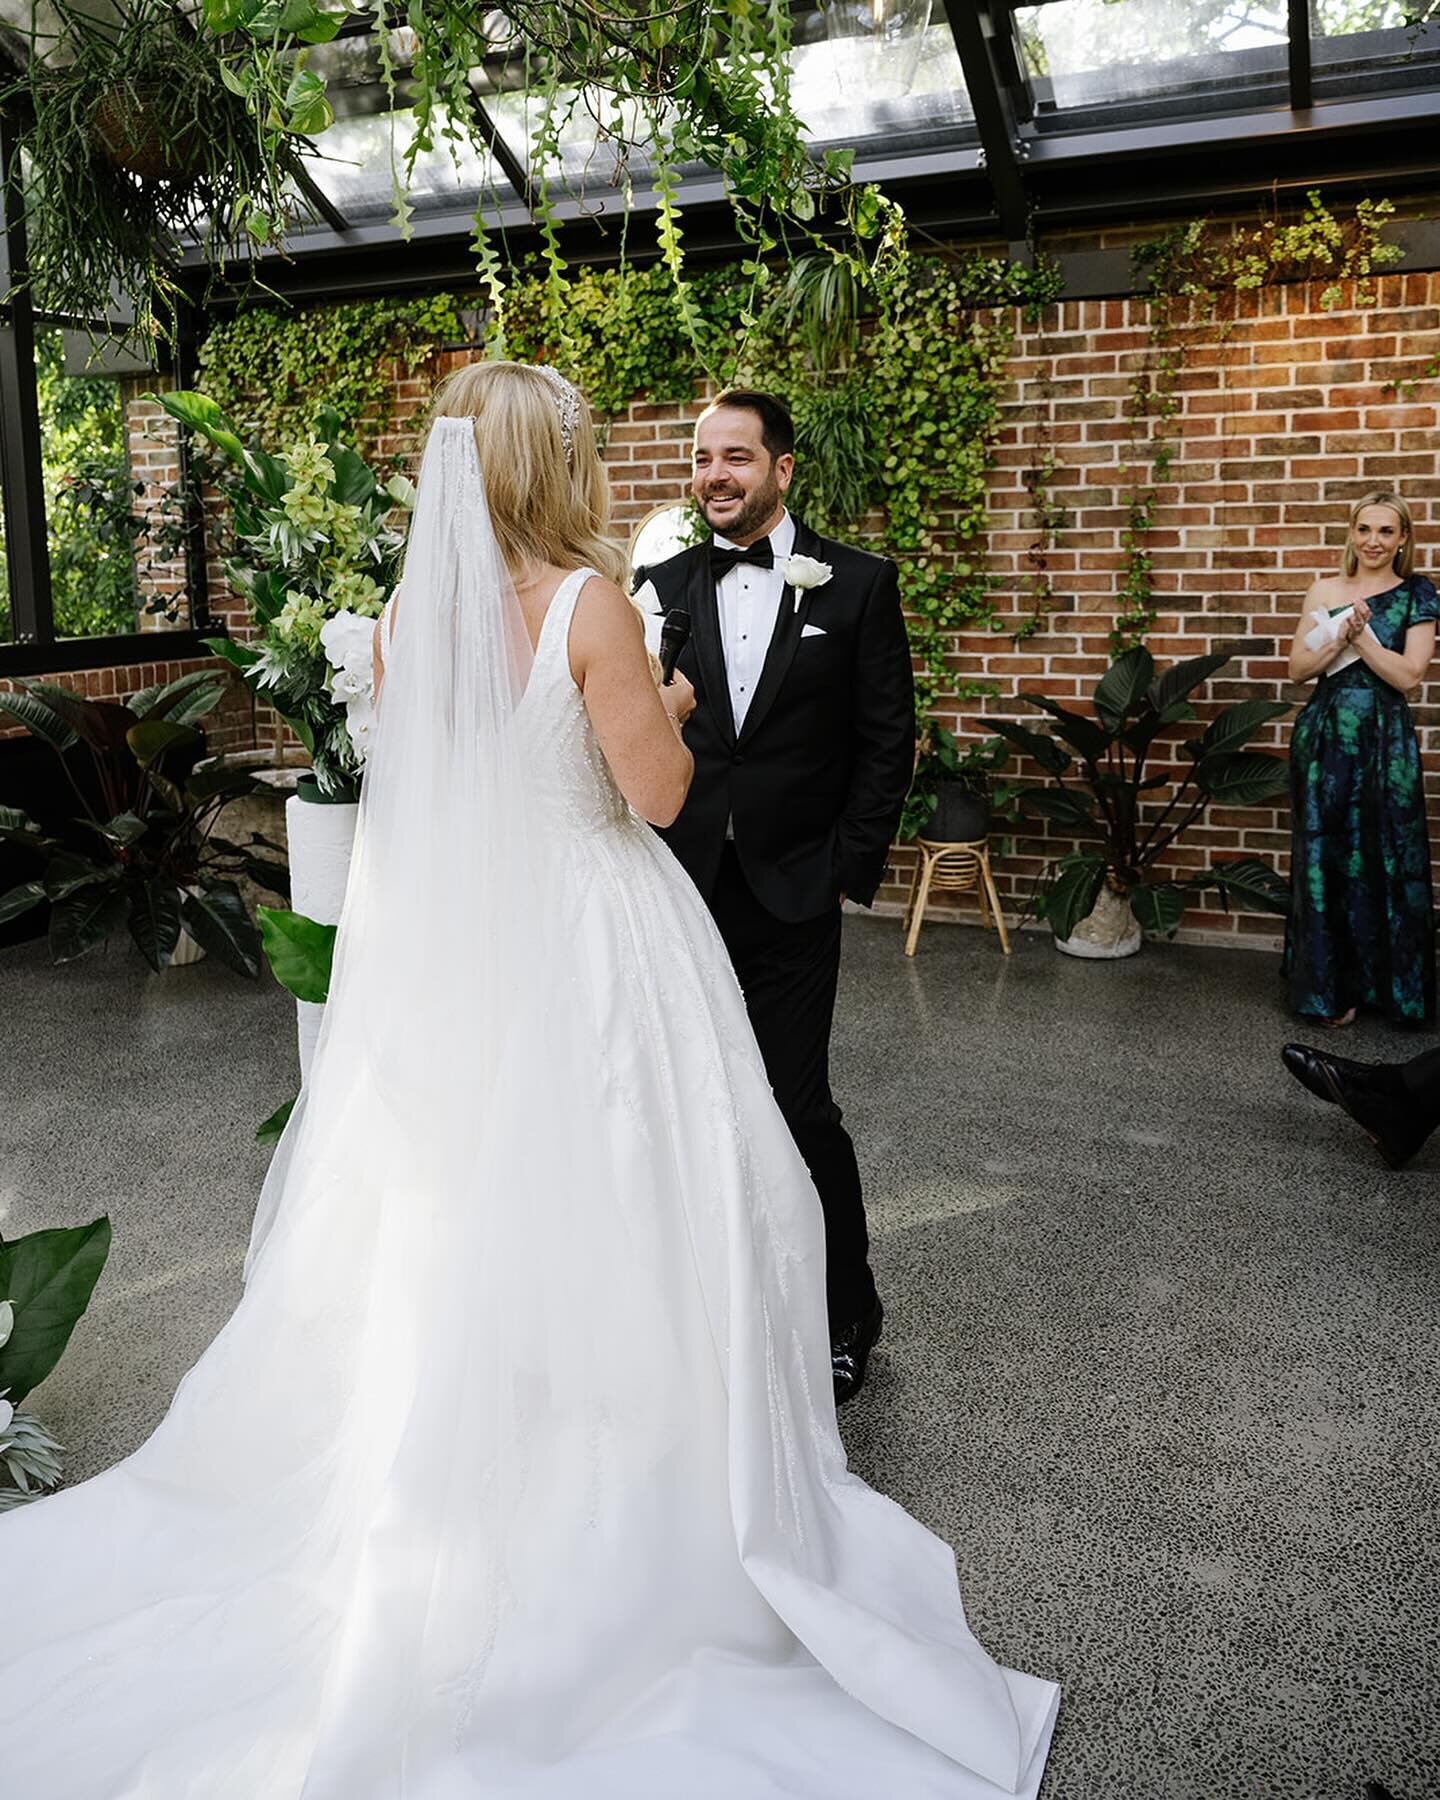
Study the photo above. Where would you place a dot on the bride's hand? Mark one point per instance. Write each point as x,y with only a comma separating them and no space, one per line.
678,698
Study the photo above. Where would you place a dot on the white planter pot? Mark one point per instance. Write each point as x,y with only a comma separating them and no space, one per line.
321,838
1110,932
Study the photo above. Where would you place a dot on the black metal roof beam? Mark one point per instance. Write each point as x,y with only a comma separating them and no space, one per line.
22,475
1302,85
972,31
320,200
514,171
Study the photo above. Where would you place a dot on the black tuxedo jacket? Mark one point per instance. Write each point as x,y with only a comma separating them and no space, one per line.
816,778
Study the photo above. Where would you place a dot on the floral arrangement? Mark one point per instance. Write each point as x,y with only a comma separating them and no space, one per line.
316,557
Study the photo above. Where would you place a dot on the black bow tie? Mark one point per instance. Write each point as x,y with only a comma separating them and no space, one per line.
723,560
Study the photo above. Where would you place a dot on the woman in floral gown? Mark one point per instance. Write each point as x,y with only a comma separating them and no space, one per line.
1360,930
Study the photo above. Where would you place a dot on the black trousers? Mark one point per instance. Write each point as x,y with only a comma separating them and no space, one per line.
1421,1077
789,974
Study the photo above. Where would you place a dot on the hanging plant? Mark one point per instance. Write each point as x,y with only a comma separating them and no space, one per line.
136,145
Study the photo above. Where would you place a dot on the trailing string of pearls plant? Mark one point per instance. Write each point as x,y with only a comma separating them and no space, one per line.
150,123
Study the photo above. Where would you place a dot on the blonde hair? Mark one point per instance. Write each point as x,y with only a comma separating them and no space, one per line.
1403,561
549,499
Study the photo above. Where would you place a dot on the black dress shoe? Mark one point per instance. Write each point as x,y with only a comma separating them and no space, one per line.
1373,1095
1304,1062
1374,1791
850,1351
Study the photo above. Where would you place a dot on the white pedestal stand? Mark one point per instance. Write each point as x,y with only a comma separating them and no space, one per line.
320,839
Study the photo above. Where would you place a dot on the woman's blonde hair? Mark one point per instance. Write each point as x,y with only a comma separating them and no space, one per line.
544,481
1403,561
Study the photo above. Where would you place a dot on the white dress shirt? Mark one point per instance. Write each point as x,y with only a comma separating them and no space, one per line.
747,598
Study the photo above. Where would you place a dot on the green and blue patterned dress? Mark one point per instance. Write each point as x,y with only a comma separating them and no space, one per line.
1360,931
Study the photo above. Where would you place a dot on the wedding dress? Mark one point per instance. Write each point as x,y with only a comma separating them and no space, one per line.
515,1473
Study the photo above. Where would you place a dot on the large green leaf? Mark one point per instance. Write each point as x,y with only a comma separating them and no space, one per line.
183,701
269,1130
48,1277
354,483
201,413
83,919
268,475
1122,687
241,656
21,899
1238,724
1159,906
1073,893
1081,733
1050,756
219,923
155,919
102,724
1251,885
40,719
218,778
1246,778
1182,678
1062,805
301,951
150,740
66,872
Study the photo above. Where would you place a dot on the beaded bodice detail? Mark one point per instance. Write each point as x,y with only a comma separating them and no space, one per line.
569,775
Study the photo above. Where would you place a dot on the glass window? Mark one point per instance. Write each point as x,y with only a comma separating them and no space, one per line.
1122,53
359,159
1360,44
93,515
881,80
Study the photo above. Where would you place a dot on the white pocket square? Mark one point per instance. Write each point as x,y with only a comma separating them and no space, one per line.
811,631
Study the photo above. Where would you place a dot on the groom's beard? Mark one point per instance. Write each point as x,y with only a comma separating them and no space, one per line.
762,505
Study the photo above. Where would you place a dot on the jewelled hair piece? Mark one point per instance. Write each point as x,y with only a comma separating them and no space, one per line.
567,402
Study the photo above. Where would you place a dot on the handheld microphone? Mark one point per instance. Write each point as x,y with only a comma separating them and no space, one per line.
674,635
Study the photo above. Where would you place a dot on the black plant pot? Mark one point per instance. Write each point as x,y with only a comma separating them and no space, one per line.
961,816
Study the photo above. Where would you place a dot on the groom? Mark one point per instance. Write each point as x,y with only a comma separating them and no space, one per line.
803,736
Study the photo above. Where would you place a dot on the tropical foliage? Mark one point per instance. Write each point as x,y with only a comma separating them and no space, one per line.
313,540
151,860
46,1280
1104,794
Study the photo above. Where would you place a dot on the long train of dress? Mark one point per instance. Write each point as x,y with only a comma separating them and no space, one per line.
518,1480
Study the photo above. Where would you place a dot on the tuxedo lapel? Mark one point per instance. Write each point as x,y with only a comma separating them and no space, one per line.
704,613
789,622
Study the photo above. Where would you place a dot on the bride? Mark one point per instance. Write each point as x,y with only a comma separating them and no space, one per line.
515,1473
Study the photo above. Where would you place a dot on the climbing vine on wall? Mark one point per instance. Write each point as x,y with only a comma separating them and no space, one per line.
270,369
1197,278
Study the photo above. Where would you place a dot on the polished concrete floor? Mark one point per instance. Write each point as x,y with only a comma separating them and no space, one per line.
1161,1340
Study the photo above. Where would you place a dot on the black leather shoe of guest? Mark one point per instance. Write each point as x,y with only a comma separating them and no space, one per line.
850,1352
1375,1099
1304,1062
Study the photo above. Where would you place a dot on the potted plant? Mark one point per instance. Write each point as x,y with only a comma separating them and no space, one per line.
136,142
1099,899
151,860
46,1280
950,795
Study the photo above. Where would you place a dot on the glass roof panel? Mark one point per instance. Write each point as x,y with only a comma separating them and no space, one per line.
362,159
1081,54
1358,44
878,88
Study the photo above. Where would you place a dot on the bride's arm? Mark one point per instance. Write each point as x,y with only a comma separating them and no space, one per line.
638,724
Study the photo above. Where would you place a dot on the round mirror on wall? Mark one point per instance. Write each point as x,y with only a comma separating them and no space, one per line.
661,534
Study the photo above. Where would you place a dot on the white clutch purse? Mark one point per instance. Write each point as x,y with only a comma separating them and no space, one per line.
1326,629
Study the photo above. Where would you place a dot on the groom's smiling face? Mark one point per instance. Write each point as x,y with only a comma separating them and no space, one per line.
738,485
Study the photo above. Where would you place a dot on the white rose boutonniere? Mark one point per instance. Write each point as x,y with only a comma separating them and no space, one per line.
803,573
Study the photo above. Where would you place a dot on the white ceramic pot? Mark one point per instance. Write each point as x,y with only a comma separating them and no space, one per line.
1110,932
321,837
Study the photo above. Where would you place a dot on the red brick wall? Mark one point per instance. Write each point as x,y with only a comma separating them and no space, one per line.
1284,418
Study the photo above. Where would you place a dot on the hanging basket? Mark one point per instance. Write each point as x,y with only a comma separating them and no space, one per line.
125,128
